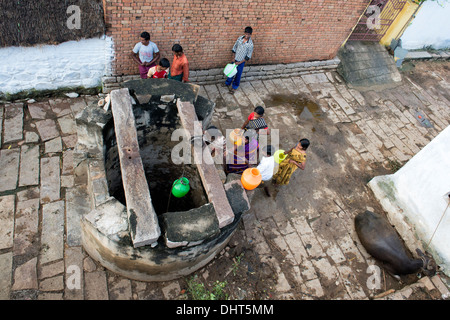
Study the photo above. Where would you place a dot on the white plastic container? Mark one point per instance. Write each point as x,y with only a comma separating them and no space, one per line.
230,70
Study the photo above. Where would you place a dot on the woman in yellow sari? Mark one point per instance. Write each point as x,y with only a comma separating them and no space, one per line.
296,158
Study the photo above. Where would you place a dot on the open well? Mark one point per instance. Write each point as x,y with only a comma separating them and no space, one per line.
137,228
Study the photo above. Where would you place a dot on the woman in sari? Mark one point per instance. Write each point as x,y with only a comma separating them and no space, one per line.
245,155
296,158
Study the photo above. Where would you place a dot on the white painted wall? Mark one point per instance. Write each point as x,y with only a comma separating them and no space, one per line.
416,192
69,64
430,27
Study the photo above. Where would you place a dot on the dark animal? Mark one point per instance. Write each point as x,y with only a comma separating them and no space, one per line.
382,241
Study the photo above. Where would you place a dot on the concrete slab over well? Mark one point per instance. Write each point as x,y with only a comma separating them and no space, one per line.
141,214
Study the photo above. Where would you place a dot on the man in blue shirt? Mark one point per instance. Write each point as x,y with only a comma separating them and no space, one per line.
242,49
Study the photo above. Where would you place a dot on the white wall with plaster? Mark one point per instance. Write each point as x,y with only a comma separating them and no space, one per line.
49,67
416,195
430,27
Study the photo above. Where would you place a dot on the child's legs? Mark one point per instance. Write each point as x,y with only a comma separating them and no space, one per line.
237,77
177,78
143,70
229,80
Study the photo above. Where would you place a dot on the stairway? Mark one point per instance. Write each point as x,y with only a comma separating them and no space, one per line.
367,64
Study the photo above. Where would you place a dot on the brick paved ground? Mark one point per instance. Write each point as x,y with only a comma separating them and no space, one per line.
304,232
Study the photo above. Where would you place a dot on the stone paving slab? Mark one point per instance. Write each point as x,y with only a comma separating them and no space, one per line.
39,110
5,275
7,208
306,236
13,123
50,179
418,55
47,129
1,123
52,239
26,227
29,165
9,168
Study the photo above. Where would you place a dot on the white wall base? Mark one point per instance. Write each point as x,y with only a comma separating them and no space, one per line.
429,28
49,67
415,199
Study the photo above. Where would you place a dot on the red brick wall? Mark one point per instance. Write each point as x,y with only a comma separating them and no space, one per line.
284,31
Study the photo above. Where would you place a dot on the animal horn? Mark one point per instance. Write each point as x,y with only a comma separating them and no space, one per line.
425,260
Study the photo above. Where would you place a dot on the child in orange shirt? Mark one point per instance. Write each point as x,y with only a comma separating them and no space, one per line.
159,71
179,70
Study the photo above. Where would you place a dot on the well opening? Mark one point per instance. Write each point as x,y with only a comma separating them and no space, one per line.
132,228
155,123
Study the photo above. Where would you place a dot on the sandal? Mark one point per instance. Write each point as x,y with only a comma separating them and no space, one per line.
232,91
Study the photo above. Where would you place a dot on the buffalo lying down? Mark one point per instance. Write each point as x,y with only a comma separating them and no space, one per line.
381,240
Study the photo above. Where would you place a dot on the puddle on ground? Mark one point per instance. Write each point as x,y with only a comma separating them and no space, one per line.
304,108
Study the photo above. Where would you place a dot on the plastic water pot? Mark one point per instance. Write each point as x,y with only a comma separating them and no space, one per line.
251,178
180,187
236,136
279,156
230,70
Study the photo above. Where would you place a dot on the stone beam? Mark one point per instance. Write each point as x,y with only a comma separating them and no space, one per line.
143,221
205,165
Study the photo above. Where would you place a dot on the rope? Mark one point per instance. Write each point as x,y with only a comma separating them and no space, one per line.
170,193
193,138
428,244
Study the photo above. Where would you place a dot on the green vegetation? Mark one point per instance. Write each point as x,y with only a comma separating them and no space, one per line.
236,263
394,165
197,291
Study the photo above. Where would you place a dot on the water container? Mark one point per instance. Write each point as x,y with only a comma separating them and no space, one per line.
236,137
180,187
251,178
230,70
279,156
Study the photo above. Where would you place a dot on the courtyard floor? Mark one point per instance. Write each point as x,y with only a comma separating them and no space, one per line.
300,243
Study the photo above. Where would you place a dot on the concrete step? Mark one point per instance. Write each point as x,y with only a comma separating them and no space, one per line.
366,64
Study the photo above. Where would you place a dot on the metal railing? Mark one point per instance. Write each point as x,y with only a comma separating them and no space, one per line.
377,19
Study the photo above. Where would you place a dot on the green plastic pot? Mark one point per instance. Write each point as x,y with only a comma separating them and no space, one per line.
180,187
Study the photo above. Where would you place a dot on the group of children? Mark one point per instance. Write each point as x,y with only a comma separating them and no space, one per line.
146,53
269,170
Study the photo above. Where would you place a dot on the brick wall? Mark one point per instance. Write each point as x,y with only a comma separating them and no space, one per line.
284,31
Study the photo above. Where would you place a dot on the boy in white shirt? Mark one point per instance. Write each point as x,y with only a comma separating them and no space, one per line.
267,166
145,53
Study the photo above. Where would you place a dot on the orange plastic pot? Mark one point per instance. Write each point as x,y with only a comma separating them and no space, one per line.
251,178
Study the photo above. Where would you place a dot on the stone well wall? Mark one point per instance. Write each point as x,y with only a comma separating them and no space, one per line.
189,239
